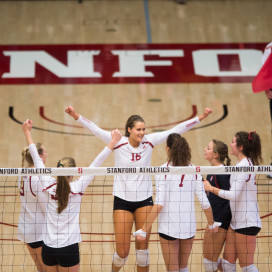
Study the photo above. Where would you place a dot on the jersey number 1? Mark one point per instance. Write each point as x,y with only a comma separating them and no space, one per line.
182,178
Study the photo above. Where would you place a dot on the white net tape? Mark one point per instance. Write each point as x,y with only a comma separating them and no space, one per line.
104,171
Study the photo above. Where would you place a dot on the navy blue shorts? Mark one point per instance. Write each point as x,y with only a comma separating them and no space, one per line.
251,231
225,225
170,238
130,206
64,256
35,245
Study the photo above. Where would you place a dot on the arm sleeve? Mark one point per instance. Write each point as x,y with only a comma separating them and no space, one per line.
160,185
38,163
80,185
102,134
160,137
235,189
201,194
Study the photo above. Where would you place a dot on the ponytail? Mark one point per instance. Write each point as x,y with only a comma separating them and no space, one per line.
251,143
221,149
62,192
63,187
179,150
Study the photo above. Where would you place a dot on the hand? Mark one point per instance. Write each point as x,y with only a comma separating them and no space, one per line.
207,186
70,110
116,135
140,235
27,125
115,138
214,227
268,93
206,113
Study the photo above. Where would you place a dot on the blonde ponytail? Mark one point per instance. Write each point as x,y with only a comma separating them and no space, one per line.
63,187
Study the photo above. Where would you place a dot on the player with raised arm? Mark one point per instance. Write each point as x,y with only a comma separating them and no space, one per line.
175,205
245,223
32,217
133,194
60,251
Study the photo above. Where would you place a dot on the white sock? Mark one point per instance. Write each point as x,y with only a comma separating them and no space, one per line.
250,268
228,267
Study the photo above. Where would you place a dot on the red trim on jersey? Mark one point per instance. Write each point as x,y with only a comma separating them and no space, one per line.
22,189
30,186
216,183
167,166
148,143
49,187
76,193
119,146
250,174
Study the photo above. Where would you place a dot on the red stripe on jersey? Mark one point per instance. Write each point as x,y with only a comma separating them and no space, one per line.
167,166
148,143
119,146
216,183
49,187
76,193
30,186
250,174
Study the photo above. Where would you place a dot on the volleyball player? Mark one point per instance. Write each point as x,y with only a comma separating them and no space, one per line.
175,204
32,217
268,93
133,194
60,251
216,153
245,223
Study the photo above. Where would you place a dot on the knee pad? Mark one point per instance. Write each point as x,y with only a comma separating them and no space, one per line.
117,261
142,257
210,266
228,267
250,268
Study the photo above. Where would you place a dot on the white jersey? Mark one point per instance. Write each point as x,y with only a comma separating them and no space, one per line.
138,187
266,53
32,216
243,199
63,229
176,193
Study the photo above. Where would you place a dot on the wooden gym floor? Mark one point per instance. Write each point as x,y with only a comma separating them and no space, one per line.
109,105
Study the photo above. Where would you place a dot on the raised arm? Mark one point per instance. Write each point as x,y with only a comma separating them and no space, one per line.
160,137
80,185
102,134
27,126
38,162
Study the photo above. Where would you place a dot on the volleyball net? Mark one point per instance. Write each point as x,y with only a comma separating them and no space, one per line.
96,217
